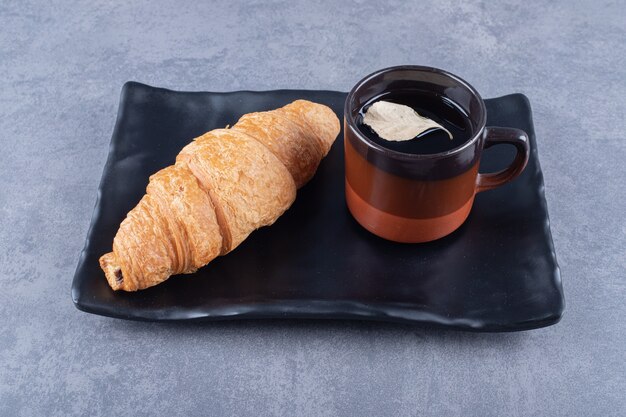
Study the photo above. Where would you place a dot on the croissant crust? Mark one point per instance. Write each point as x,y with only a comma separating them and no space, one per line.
224,185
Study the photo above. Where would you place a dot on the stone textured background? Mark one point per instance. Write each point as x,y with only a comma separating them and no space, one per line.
62,65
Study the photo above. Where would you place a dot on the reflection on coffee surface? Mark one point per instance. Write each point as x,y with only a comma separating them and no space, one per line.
440,110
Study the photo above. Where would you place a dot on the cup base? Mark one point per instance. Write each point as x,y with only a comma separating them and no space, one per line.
404,229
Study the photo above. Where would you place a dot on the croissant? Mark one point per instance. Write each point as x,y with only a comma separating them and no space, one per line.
224,185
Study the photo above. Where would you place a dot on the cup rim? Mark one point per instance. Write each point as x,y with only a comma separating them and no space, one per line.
410,156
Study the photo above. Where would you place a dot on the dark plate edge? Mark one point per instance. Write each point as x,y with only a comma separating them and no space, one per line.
322,310
96,211
137,84
557,279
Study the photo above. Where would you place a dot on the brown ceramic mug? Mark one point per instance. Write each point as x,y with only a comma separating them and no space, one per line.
412,197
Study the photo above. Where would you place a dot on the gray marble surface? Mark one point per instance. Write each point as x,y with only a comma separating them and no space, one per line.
62,65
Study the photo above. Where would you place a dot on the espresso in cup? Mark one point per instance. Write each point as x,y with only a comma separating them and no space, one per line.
423,188
432,106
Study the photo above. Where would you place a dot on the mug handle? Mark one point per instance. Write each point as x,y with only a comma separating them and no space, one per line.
512,136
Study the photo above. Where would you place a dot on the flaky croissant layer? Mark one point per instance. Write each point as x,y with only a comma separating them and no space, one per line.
224,185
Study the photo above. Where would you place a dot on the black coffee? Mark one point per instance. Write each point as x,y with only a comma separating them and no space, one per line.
440,109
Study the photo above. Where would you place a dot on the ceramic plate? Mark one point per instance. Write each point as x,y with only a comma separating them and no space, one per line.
498,272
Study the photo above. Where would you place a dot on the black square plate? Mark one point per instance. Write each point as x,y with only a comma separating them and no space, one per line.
498,272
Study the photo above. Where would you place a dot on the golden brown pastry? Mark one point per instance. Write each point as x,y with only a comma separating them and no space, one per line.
248,185
223,186
298,149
